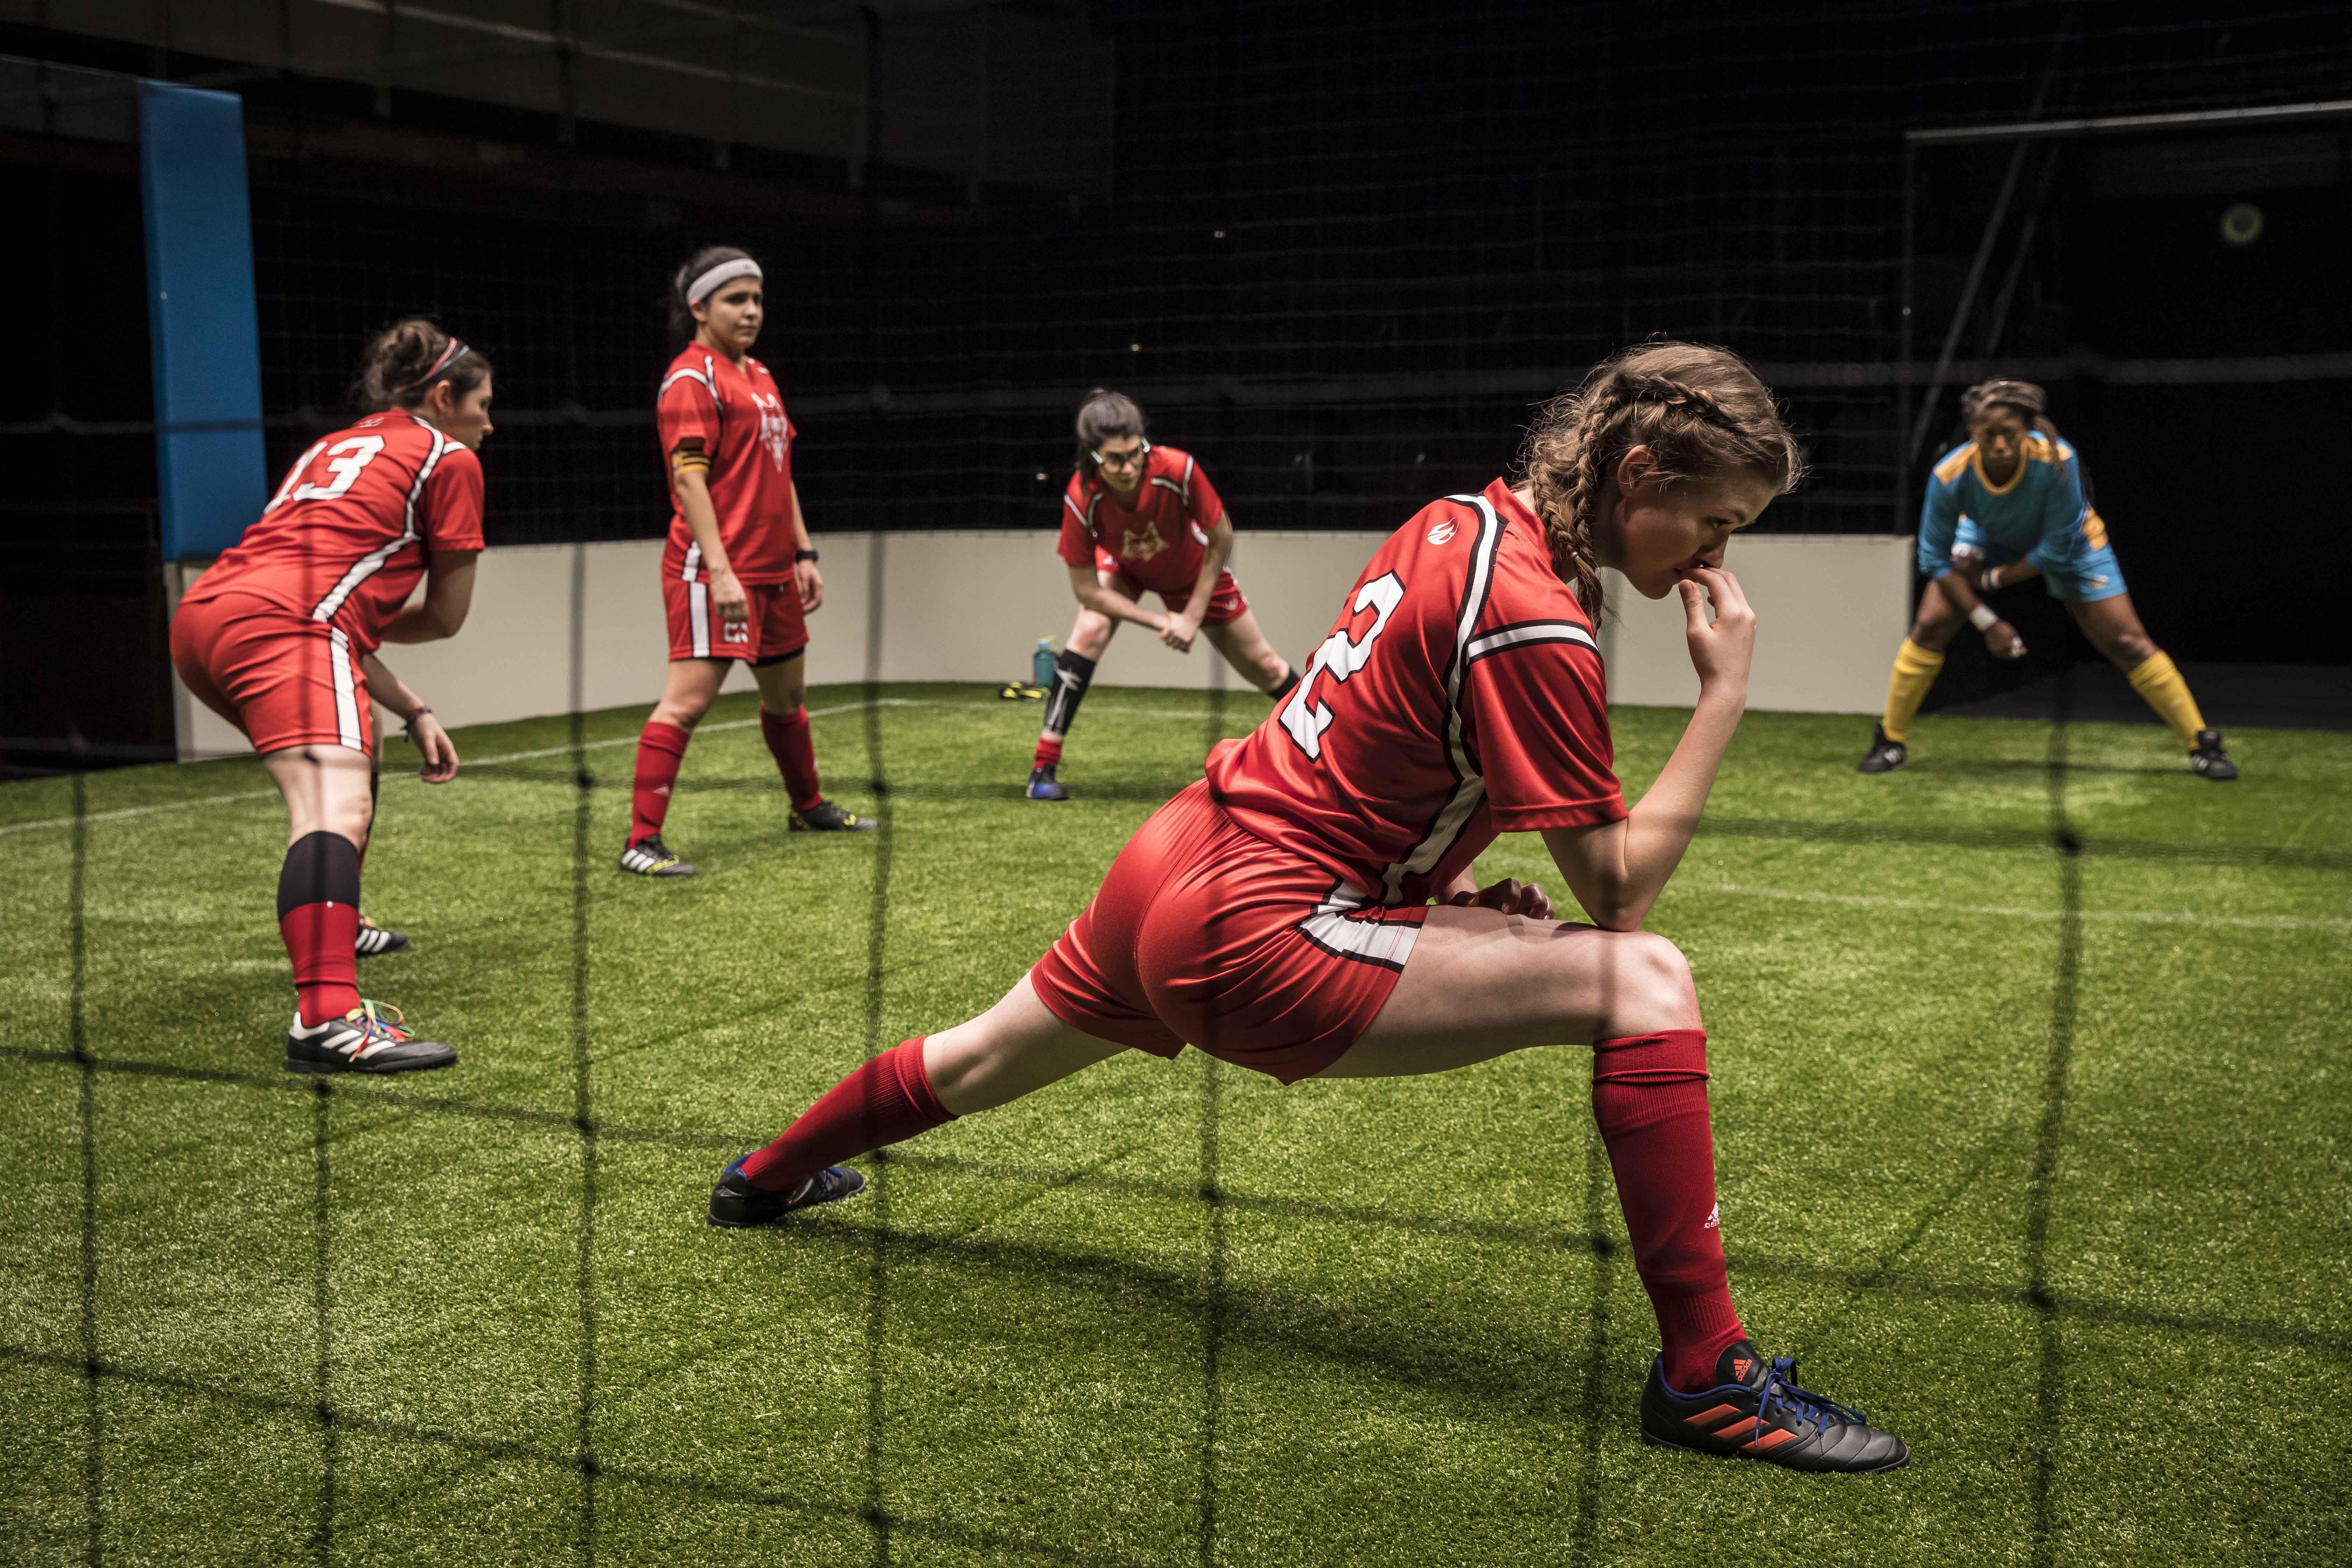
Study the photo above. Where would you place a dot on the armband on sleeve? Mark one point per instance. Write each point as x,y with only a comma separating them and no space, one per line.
689,458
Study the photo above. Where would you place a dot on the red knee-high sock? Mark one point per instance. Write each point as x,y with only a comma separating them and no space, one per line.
318,916
787,735
887,1100
660,749
1649,1094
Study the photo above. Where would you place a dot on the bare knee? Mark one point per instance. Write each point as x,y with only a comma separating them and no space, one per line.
1649,988
1091,635
2130,649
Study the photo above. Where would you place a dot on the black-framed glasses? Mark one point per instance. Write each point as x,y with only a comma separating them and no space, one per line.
1123,459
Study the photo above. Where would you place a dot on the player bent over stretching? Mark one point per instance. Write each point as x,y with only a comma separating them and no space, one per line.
1279,914
1138,516
278,636
2010,503
739,575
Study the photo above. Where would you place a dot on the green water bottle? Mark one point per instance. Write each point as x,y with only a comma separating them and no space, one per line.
1041,663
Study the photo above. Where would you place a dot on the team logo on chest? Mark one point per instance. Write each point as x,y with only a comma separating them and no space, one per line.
1141,544
771,426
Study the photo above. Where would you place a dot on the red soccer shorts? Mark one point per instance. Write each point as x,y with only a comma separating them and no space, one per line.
774,630
1225,602
284,679
1205,935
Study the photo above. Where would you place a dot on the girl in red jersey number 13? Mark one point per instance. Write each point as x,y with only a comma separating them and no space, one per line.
1307,909
278,636
738,575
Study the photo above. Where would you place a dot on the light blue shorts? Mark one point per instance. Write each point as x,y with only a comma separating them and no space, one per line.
2090,573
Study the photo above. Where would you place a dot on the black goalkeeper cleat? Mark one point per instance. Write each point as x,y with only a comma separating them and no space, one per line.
374,940
1756,1411
652,857
1885,755
736,1204
370,1037
826,818
1043,785
2209,761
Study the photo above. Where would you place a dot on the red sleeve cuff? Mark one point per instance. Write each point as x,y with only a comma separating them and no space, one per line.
1582,814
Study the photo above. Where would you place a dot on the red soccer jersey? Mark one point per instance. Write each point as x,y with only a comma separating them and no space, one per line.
1158,540
1459,695
745,433
346,536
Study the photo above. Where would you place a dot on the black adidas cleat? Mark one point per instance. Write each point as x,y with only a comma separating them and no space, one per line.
2209,761
1885,755
826,818
651,858
1756,1411
737,1205
1043,785
362,1040
374,940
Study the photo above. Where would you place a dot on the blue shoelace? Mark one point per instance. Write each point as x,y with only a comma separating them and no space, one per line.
1780,1390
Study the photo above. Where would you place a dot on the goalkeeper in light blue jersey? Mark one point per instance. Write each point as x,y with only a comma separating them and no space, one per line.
2006,504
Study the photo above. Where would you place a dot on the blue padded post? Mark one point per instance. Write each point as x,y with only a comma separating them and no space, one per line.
210,470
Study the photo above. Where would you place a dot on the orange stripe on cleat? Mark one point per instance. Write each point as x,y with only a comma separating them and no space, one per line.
1706,1416
1736,1430
1771,1439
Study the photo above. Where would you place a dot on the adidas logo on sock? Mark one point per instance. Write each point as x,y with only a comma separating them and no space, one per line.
1714,1218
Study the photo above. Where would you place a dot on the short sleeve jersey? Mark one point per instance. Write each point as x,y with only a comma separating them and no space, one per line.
1460,695
2035,514
735,412
346,537
1158,539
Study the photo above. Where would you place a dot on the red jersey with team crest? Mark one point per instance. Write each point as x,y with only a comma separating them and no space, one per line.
735,412
1459,695
1160,537
344,540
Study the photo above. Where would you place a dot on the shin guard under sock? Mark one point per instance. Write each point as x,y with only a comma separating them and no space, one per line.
887,1100
787,735
1649,1095
1906,686
1072,674
661,748
319,917
2160,685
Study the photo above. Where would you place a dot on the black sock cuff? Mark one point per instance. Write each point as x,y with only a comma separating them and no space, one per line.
321,868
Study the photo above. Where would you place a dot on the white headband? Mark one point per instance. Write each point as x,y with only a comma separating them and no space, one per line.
702,287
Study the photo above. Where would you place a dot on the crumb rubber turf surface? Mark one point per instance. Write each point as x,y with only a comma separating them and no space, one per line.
2038,1158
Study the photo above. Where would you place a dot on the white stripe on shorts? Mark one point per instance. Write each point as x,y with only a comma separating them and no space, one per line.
698,615
1385,942
347,706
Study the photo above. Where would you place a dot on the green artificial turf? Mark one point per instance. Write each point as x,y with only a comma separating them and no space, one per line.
2039,1158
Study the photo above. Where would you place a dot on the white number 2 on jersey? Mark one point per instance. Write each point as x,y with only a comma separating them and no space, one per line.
344,460
1342,655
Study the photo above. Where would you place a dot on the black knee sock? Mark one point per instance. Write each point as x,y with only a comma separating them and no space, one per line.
1072,674
1285,686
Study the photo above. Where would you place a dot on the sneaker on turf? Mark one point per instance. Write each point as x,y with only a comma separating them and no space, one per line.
826,818
735,1202
1885,755
2209,759
374,940
1044,786
1756,1411
370,1037
651,858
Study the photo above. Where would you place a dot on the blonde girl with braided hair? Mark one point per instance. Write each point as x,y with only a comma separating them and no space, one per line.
2010,503
1307,909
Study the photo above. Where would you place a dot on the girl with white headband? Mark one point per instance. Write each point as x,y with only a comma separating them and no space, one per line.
739,574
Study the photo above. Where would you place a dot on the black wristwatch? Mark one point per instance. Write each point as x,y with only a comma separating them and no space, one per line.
799,555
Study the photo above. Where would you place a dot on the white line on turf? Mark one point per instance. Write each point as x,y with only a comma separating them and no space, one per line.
1932,906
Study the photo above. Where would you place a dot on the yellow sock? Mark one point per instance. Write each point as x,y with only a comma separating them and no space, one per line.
1915,671
2156,680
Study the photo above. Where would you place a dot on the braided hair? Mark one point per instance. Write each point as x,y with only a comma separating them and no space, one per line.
1699,410
2028,399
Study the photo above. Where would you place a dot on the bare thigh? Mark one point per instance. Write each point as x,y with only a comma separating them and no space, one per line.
325,789
1244,643
1481,984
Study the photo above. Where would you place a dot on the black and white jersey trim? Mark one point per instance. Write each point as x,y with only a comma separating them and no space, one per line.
1469,785
1527,634
1340,926
367,565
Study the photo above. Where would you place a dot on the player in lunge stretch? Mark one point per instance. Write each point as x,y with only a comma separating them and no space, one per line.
1137,516
740,575
1308,908
278,636
2010,503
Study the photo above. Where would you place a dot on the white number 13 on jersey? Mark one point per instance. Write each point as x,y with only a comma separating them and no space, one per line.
1341,655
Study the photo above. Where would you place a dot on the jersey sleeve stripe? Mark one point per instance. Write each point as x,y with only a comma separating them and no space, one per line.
688,373
1081,516
367,565
1528,634
1470,785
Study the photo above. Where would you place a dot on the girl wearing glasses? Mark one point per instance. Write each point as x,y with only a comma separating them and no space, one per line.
739,574
1137,516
